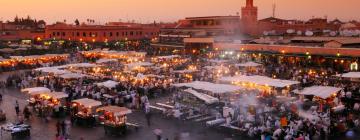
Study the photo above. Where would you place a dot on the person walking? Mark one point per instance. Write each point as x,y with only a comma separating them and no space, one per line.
27,113
17,108
58,128
147,114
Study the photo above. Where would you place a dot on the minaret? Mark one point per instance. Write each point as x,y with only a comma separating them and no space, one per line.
249,12
249,3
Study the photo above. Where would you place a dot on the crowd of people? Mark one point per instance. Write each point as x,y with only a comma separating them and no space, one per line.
301,118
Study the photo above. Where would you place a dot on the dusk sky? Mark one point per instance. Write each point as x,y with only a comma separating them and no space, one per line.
171,10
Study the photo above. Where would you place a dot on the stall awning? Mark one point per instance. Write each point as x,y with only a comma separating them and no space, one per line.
53,70
211,87
36,90
323,92
88,102
72,75
109,84
118,111
57,95
206,98
248,64
349,75
106,61
259,80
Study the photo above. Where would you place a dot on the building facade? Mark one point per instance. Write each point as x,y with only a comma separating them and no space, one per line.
100,33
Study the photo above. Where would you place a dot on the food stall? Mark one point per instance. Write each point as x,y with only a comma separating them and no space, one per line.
34,93
114,119
264,84
249,66
83,110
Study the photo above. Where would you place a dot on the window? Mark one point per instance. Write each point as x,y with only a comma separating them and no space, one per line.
73,34
54,33
58,33
140,32
104,34
84,34
111,34
126,33
77,34
123,33
131,33
117,33
63,33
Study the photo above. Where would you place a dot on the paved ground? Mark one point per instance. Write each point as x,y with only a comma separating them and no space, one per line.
171,127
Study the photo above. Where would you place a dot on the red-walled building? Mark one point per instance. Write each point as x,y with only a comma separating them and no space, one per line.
13,32
102,33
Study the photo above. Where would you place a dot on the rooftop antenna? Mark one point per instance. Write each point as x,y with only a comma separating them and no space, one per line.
273,10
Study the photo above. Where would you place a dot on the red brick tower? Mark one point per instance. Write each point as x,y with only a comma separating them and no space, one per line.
249,15
249,12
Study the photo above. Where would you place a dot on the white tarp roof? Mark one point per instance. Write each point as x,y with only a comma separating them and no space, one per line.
168,57
53,70
118,111
350,75
218,61
72,75
108,84
222,68
81,65
57,95
206,98
184,71
36,90
139,64
320,91
248,64
259,80
214,88
88,102
105,60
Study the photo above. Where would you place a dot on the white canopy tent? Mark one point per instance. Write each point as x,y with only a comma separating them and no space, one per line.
323,92
105,60
138,64
168,57
353,75
81,65
218,61
211,87
184,71
56,95
259,80
89,103
36,90
206,98
72,76
109,84
118,111
248,64
53,70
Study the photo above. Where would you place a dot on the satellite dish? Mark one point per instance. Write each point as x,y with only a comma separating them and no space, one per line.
290,31
309,33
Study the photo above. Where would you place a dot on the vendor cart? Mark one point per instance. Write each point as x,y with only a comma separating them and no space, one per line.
83,111
114,119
